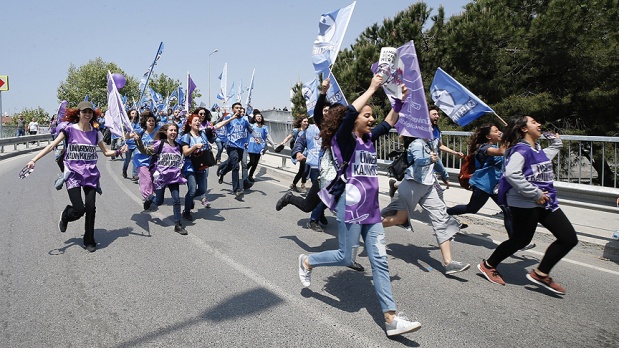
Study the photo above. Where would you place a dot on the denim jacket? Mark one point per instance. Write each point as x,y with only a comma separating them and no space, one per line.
419,155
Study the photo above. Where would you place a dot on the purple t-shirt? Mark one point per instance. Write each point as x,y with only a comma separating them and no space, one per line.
81,157
168,166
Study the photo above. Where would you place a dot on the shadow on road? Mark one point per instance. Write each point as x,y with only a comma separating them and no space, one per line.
232,308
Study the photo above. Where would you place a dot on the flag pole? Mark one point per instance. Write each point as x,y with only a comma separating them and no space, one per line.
499,117
151,70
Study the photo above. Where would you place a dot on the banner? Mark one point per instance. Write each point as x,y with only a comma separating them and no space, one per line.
223,80
334,93
146,77
116,118
414,117
455,100
310,94
331,29
248,107
191,86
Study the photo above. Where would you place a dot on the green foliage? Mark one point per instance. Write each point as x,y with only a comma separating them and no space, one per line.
299,108
91,80
38,114
552,59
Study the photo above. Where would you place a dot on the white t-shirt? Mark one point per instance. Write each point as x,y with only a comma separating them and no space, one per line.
33,126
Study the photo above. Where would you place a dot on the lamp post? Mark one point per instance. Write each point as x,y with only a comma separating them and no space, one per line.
209,76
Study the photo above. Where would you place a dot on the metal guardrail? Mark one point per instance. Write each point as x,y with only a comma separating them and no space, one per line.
26,139
586,168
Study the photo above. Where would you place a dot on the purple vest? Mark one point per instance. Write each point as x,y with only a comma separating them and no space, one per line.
361,183
168,166
537,170
81,157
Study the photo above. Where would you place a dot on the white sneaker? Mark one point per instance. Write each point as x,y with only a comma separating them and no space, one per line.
304,274
400,325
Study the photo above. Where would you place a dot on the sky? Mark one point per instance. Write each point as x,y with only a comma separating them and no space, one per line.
40,39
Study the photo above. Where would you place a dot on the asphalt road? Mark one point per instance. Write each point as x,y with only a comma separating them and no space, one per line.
232,282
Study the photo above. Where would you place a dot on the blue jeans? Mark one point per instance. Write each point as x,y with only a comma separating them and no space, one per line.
20,132
196,187
320,208
128,156
220,149
235,155
176,205
348,238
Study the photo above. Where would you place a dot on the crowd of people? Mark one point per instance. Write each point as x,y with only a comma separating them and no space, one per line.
334,148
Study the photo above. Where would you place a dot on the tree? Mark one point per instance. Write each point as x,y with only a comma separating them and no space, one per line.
352,69
91,80
38,114
299,108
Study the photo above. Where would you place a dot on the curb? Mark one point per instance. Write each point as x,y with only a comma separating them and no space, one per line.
604,248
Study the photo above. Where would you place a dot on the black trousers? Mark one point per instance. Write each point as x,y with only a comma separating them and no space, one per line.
525,222
79,207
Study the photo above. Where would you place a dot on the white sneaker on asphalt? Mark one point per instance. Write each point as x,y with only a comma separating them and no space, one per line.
400,325
304,274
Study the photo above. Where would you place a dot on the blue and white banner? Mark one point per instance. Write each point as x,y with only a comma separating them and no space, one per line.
146,77
455,100
249,108
335,93
223,80
310,94
331,29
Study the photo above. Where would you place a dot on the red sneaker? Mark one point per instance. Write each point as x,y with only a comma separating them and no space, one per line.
490,273
546,282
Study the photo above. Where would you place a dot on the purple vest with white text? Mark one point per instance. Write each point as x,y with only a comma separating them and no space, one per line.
81,157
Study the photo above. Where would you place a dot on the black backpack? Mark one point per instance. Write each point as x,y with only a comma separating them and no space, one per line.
399,164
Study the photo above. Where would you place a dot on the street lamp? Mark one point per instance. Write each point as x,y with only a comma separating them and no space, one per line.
209,76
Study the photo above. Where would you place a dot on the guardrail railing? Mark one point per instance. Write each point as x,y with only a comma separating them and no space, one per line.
26,139
588,160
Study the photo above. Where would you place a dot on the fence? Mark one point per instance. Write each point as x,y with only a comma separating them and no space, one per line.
589,160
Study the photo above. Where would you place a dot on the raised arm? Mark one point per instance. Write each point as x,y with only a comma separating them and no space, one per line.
363,99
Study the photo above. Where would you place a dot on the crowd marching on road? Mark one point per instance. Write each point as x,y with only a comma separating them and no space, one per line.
334,147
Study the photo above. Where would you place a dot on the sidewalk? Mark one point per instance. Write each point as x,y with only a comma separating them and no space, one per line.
594,227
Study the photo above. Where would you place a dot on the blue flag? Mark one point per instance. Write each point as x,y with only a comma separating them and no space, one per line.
144,81
334,93
310,94
331,29
455,100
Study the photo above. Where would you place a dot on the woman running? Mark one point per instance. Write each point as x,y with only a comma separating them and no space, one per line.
527,188
257,144
166,170
141,161
349,135
81,172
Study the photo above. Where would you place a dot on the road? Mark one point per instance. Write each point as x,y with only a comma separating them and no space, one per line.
233,280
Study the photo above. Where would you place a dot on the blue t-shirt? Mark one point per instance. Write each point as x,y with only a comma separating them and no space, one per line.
141,159
190,140
260,133
238,130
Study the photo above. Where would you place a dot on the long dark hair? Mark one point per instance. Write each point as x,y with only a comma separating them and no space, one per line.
162,133
512,134
144,117
331,124
479,137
